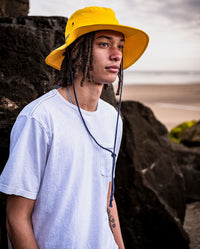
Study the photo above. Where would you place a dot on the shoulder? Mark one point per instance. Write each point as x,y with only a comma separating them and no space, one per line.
39,103
41,110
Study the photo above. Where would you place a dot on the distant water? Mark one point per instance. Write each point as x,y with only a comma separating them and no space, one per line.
161,77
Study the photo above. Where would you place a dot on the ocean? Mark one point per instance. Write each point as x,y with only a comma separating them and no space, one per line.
161,77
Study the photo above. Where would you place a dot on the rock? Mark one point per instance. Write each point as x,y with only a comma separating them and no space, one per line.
189,163
149,184
14,8
192,224
27,41
191,136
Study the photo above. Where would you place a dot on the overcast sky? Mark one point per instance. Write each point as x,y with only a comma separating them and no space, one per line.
172,25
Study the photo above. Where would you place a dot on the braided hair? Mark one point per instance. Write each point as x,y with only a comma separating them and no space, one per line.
81,54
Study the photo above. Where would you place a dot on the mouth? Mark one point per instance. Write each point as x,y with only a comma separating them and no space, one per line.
112,69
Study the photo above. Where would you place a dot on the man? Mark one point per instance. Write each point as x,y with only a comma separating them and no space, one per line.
59,175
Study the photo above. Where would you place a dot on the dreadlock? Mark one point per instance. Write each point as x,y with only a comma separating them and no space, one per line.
120,80
81,54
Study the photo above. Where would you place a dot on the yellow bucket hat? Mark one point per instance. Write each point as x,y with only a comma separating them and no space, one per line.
98,18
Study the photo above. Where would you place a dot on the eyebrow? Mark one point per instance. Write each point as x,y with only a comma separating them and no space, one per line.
108,37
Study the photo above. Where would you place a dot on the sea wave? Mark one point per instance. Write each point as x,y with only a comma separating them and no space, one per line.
161,77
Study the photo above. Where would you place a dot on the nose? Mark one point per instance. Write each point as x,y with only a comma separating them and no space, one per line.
116,54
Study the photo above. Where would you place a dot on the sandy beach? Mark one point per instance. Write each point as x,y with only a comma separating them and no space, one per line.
171,104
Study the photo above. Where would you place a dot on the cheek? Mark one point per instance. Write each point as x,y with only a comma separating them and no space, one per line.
98,64
99,56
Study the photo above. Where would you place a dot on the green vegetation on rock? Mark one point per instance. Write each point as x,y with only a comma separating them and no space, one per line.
176,132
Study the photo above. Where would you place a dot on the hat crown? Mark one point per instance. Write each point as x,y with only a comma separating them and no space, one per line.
90,16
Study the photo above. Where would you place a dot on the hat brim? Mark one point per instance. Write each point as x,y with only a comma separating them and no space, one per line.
136,42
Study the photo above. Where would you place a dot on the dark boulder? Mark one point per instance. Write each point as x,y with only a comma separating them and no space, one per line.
149,184
14,8
189,163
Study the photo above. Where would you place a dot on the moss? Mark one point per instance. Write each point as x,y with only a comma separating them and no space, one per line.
176,132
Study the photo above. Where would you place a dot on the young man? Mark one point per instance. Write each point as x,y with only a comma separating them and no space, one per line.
59,175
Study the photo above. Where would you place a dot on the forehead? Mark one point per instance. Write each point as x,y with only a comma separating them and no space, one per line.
109,33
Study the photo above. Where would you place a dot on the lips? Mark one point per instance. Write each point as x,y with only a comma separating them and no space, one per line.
113,69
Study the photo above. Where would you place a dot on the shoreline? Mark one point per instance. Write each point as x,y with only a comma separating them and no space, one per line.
172,104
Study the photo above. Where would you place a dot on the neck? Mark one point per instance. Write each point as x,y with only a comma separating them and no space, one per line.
87,95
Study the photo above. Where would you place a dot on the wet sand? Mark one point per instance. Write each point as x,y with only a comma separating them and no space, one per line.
171,104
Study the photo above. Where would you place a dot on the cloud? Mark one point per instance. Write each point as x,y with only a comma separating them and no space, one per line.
183,13
179,13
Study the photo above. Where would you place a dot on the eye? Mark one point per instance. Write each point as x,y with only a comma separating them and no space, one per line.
121,47
103,44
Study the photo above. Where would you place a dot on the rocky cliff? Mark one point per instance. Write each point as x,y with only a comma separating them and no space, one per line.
14,8
150,183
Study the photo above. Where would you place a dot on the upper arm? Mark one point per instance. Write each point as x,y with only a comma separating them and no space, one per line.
19,207
27,159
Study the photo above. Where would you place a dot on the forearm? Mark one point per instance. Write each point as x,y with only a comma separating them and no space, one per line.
21,234
115,225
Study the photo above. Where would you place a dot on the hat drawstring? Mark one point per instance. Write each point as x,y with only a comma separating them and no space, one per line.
113,154
115,140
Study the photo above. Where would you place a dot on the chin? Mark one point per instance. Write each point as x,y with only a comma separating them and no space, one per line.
107,80
110,80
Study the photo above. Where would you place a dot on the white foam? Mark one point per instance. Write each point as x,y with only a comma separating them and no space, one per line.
178,106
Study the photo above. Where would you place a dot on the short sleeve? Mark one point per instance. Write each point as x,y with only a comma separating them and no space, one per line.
25,167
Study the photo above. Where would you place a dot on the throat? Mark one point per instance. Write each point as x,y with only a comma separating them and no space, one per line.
89,108
88,95
87,99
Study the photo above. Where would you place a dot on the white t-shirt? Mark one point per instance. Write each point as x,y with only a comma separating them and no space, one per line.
54,161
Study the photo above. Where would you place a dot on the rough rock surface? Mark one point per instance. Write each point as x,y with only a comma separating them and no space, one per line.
191,136
189,163
14,8
149,184
192,224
